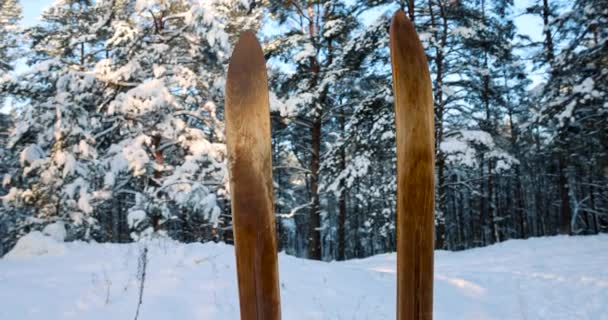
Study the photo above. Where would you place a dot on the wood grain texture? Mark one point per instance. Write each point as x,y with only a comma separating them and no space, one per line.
250,168
415,171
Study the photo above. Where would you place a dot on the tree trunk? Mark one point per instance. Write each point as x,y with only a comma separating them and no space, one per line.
158,155
547,30
439,110
482,204
410,10
592,202
342,208
491,204
314,232
314,223
521,211
565,224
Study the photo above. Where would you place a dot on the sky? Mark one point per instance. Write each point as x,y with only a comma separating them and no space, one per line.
32,10
528,25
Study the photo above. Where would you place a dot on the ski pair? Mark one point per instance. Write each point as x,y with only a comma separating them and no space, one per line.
250,168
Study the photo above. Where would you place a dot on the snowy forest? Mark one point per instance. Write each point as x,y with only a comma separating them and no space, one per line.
113,122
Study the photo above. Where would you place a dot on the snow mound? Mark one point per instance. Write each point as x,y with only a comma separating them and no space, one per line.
557,278
37,244
56,231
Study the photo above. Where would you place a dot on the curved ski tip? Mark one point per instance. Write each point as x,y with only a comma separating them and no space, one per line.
247,50
401,22
400,14
247,38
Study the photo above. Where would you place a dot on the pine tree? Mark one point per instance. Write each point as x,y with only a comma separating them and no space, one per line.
572,110
121,131
165,152
311,47
54,134
10,14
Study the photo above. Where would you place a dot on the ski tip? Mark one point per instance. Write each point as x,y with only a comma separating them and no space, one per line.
402,29
407,53
411,77
248,40
400,15
247,55
400,21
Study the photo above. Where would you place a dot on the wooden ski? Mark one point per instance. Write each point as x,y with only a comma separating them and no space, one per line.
251,187
415,171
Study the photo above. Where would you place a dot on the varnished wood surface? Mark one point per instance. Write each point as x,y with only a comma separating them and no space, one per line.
250,167
415,171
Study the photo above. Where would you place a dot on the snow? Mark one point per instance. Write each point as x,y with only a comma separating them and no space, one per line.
478,136
295,102
460,148
333,28
123,33
84,201
142,5
56,231
135,216
463,32
32,245
129,154
13,196
307,52
358,167
69,164
284,109
567,113
585,87
458,151
543,278
30,154
147,97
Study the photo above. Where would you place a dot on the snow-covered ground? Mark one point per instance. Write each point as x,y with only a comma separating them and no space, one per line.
545,278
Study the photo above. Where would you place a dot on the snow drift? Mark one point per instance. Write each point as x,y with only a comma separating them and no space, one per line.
544,278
